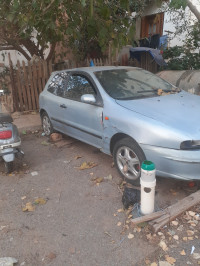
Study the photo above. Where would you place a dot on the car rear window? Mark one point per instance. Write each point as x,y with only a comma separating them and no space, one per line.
58,83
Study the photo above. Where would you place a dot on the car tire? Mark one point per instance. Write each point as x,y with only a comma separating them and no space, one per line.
46,124
128,158
8,167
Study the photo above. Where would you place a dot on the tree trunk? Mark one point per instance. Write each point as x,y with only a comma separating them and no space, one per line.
51,52
193,10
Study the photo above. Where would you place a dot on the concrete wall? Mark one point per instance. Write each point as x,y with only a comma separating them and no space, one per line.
188,80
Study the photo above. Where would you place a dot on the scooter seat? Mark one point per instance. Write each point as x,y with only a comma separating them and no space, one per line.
5,118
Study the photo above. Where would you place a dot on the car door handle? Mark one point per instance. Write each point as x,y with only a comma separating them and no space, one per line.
63,106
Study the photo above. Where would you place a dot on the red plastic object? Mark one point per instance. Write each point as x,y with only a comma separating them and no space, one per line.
191,184
6,134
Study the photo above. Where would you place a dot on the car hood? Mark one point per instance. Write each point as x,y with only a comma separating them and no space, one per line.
179,111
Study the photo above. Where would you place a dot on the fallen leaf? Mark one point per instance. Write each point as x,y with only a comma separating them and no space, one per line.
185,238
77,157
40,201
87,165
149,236
115,214
154,264
183,252
193,224
159,92
109,177
45,143
196,256
130,236
24,197
163,245
190,232
29,207
176,237
119,224
190,238
99,180
174,223
169,259
130,216
191,213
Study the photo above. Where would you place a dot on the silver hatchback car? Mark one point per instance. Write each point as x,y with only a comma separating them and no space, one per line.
129,113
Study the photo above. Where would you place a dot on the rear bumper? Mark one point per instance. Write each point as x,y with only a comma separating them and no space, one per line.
180,164
11,145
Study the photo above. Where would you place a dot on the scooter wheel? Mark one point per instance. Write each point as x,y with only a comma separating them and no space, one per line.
8,167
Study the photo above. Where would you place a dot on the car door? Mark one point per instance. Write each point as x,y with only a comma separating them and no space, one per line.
54,98
82,120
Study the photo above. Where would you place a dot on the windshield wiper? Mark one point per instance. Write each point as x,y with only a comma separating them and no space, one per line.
148,91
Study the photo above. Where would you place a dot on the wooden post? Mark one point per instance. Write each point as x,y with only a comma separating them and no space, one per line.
27,86
19,87
13,85
31,84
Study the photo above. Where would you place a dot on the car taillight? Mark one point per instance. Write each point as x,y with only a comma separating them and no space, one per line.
6,134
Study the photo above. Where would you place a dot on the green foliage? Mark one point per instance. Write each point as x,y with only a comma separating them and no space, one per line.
4,73
187,56
177,4
110,22
86,26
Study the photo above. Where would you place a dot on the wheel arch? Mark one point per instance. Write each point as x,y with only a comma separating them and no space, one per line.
42,111
118,136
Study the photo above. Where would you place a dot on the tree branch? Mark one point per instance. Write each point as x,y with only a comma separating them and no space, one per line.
45,9
52,49
16,48
193,10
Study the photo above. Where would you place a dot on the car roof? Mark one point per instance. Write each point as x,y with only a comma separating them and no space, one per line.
96,68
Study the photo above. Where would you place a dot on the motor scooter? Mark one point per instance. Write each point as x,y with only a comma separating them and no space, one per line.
9,141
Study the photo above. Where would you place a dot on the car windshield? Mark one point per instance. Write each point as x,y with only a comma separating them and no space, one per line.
128,84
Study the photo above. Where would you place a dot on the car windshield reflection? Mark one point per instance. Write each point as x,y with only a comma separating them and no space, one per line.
129,84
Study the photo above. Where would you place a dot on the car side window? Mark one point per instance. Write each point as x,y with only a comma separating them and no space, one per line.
58,84
77,86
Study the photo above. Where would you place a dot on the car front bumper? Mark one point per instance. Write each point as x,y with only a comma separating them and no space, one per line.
180,164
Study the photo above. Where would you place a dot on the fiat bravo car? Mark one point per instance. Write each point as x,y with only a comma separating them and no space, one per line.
128,113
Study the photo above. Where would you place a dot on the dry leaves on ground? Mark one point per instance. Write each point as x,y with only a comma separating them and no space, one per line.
86,165
169,259
163,245
40,201
130,236
29,207
77,157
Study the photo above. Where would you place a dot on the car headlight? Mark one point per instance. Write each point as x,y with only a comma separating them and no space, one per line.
190,145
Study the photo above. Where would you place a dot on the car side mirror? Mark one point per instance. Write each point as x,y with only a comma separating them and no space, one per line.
88,98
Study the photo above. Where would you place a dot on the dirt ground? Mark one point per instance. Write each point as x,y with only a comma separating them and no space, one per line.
81,221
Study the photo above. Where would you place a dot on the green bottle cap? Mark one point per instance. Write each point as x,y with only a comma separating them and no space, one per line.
148,166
